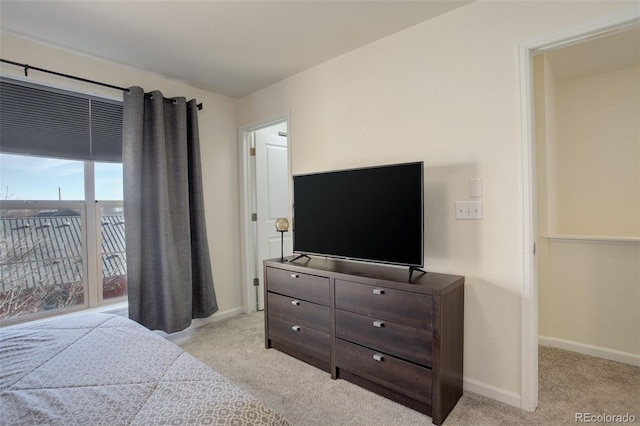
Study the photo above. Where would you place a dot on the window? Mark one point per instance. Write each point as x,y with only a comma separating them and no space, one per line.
39,178
41,260
108,181
61,211
113,263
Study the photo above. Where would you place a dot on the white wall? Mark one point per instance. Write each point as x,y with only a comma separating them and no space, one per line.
588,171
445,92
597,155
218,139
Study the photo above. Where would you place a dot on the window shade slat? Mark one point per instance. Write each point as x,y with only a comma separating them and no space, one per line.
36,120
106,127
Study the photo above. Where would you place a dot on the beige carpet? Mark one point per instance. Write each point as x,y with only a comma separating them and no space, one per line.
569,383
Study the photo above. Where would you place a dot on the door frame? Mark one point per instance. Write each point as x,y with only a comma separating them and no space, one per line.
247,188
625,18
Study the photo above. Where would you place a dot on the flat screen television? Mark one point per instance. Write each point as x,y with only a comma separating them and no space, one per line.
373,214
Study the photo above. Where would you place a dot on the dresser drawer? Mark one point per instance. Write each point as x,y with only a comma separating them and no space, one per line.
409,343
300,312
401,307
303,339
394,374
300,286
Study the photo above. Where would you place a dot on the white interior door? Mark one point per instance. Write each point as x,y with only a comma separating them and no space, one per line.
272,196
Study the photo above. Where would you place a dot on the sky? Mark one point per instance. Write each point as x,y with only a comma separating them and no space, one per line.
38,178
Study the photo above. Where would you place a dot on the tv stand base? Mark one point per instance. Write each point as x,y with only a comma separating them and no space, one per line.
300,256
413,268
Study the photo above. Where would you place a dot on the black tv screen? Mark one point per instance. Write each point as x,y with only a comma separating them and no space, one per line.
371,214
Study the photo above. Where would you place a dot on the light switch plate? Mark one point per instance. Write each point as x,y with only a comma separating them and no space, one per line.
475,187
469,210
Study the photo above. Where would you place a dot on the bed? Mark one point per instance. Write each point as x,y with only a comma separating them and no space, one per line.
94,369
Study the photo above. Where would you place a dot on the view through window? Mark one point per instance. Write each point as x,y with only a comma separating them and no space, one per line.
46,248
41,260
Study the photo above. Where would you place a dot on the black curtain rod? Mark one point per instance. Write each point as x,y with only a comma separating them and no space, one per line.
72,77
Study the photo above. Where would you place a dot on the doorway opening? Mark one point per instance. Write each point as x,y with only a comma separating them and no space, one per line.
588,196
614,23
265,171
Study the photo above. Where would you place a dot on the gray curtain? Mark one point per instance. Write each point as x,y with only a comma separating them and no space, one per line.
168,266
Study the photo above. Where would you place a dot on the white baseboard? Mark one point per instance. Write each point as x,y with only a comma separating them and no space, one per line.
218,316
123,310
199,322
514,399
492,392
597,351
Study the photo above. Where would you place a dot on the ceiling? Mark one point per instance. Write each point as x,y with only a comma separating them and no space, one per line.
610,52
232,47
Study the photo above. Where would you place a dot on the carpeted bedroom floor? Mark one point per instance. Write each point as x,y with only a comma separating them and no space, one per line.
569,383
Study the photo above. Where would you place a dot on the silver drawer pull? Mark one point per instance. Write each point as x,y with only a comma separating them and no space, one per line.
378,324
295,276
295,302
378,357
296,328
378,291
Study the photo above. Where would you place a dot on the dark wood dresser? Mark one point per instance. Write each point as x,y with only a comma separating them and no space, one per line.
370,325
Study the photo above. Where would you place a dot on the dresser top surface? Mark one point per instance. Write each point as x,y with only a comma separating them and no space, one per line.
430,282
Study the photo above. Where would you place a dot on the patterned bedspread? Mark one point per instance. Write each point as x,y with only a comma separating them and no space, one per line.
95,369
